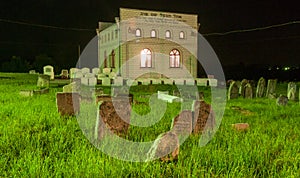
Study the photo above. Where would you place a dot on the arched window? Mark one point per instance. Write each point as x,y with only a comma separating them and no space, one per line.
181,35
174,58
112,63
168,34
105,60
146,58
153,34
138,32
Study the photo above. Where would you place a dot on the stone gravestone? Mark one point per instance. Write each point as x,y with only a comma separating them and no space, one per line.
165,147
43,81
68,103
72,87
242,87
271,87
91,79
248,92
233,91
78,74
32,72
204,117
48,70
64,74
114,116
95,71
182,123
282,100
85,71
291,91
261,87
73,71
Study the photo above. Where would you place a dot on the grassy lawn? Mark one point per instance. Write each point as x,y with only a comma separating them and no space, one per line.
35,141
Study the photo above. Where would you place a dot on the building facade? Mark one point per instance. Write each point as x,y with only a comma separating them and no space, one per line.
149,44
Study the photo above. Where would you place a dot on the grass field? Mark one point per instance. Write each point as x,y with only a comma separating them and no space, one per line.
35,141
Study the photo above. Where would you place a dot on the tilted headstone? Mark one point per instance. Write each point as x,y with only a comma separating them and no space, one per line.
68,103
282,100
85,71
64,74
165,147
291,91
242,87
261,87
114,116
248,91
233,91
182,123
271,87
72,87
43,81
48,70
204,117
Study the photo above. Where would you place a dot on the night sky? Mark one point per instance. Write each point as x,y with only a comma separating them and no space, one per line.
272,46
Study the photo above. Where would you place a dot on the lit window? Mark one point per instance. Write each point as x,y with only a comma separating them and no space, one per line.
181,35
174,58
168,34
153,34
138,32
146,58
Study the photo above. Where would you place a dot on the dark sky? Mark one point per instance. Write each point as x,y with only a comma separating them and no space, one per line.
272,46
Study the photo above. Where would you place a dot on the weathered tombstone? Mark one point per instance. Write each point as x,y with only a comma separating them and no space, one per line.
261,87
241,126
165,147
41,91
85,81
85,71
90,79
118,81
112,75
242,87
271,87
48,70
114,116
72,87
64,73
73,71
43,81
32,72
120,91
68,103
182,123
26,92
233,91
204,117
291,91
95,71
248,92
78,74
282,100
238,83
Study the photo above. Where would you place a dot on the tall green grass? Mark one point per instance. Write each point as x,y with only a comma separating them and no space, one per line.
35,141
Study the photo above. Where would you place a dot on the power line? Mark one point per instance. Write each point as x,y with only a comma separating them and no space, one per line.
45,26
251,29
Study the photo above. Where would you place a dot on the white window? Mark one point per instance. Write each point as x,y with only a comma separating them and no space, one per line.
146,58
153,34
174,58
168,34
138,32
181,35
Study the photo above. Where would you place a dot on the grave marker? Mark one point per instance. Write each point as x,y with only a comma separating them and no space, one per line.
85,71
182,123
242,87
43,81
261,87
271,87
291,91
48,70
68,103
64,74
204,117
248,92
282,100
233,91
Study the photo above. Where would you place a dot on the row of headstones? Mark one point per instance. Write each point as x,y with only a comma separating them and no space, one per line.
246,88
